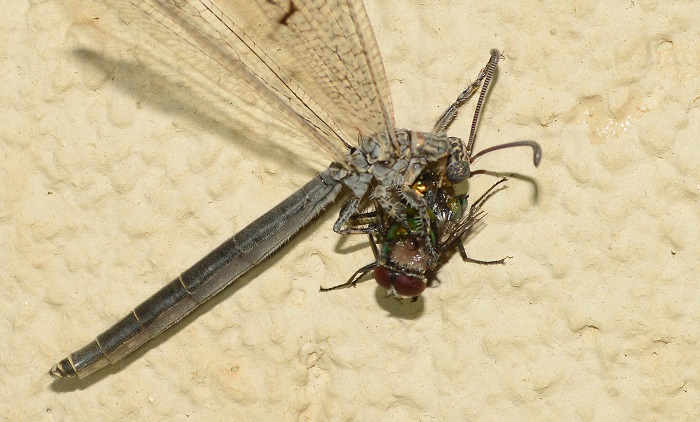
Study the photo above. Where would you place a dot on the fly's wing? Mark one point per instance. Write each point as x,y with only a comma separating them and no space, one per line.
335,49
451,231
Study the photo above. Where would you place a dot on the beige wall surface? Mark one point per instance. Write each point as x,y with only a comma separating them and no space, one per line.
116,177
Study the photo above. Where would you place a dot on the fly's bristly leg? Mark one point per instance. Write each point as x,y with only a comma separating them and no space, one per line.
465,258
476,215
486,195
354,279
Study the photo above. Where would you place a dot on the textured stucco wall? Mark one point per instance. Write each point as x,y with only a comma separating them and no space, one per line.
114,179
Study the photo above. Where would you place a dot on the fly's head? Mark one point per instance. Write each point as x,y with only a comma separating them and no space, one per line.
403,264
399,284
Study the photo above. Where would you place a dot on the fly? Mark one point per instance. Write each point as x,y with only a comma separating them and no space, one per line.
399,181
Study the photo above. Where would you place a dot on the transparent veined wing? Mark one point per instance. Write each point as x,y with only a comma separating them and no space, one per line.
334,43
280,81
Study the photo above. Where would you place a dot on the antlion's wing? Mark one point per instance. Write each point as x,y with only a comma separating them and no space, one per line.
335,45
306,81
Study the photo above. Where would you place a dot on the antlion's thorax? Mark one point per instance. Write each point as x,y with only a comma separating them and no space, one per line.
392,163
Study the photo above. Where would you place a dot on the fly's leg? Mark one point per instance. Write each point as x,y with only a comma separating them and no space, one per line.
476,215
486,195
465,258
352,281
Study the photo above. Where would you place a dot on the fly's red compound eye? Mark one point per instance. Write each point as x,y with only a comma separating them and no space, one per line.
404,285
408,286
383,276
